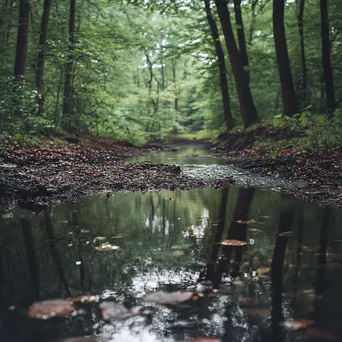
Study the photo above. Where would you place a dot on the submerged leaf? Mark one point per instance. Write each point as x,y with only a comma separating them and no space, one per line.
234,243
297,324
258,312
111,311
51,308
284,234
170,298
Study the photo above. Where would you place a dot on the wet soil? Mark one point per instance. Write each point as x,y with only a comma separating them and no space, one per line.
38,176
319,171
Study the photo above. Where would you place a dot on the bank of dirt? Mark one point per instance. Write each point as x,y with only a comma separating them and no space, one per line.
38,176
319,171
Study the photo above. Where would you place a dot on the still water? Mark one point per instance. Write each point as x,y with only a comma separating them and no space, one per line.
290,269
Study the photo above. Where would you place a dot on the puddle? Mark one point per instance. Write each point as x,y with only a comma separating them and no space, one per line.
291,267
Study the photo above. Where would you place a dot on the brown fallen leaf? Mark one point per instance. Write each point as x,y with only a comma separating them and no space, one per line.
297,324
258,312
85,299
51,308
234,243
170,298
284,234
111,312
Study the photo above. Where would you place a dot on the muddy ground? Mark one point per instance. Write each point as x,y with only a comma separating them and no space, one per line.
319,171
37,176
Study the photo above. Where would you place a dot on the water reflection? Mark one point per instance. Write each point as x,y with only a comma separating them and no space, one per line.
289,269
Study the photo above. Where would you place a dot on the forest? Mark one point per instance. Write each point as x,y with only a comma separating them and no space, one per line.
170,170
142,70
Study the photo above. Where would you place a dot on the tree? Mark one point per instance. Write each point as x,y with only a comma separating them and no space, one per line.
327,69
241,36
68,88
222,66
248,110
283,60
41,53
302,50
22,40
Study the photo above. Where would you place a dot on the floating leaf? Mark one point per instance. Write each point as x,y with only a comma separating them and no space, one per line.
51,308
297,324
85,299
111,312
284,234
258,312
263,270
170,298
255,230
106,247
234,243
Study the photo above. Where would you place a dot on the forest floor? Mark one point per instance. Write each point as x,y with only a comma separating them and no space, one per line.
58,171
272,151
38,176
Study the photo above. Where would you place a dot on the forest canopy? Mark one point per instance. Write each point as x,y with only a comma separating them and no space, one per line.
141,70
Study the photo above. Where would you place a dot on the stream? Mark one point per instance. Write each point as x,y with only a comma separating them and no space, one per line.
124,246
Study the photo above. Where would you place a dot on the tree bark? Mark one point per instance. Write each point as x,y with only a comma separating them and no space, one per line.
328,75
283,60
302,49
228,117
22,40
41,54
241,36
252,25
68,89
248,110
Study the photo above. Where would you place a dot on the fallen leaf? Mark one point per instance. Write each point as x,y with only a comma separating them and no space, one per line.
170,198
297,324
263,270
258,312
85,299
111,312
106,247
284,234
234,243
51,308
170,298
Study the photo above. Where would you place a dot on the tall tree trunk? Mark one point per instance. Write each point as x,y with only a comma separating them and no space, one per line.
252,25
228,117
286,80
68,89
328,75
248,110
241,36
41,54
22,40
174,84
302,49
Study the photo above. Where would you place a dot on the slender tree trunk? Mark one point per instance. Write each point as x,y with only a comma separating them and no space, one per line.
302,49
328,75
228,117
68,89
252,25
41,54
286,80
241,36
248,110
22,40
174,84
